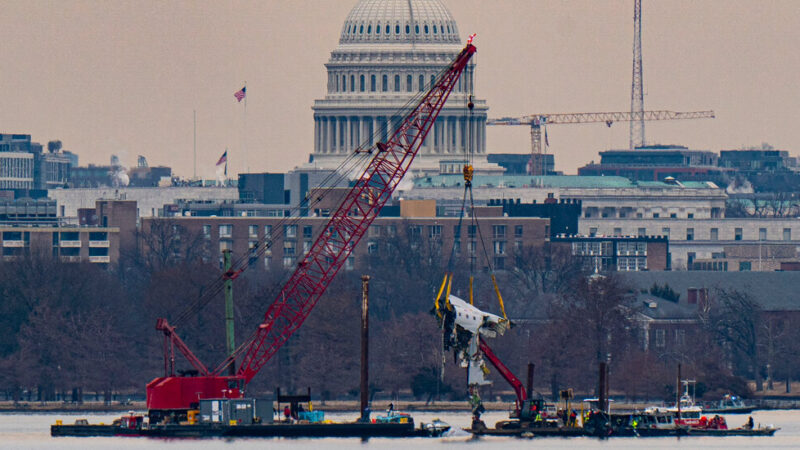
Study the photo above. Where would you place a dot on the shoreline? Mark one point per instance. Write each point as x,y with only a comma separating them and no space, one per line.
333,406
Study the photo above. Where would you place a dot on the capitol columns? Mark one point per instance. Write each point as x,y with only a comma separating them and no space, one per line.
316,134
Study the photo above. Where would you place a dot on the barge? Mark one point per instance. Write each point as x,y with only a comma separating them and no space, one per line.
353,429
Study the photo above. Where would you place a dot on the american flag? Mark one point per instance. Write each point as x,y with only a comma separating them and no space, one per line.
223,163
240,94
223,159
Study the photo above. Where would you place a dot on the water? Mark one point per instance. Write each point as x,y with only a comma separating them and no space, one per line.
32,431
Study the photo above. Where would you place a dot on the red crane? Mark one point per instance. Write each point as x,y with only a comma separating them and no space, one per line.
316,270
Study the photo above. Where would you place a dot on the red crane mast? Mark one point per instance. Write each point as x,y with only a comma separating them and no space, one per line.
317,269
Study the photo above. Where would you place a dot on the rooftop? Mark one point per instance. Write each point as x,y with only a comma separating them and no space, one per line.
554,181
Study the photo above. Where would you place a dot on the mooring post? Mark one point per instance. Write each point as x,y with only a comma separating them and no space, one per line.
230,340
531,368
365,348
601,388
678,392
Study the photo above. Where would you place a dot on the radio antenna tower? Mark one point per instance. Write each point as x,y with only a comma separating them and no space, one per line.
637,95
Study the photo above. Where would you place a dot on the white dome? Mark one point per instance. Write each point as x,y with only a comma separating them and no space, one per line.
399,21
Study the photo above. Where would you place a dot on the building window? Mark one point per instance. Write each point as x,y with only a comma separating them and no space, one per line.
665,232
414,231
372,83
267,231
267,262
762,234
715,234
617,231
471,230
308,231
690,256
457,247
385,83
471,247
350,263
225,244
352,83
289,248
517,230
737,234
374,231
306,246
661,338
655,215
499,247
344,83
225,230
207,231
252,231
690,234
641,232
744,266
787,234
372,247
499,231
434,231
499,263
421,83
409,83
673,215
288,261
397,83
362,83
680,337
690,215
391,231
290,231
456,232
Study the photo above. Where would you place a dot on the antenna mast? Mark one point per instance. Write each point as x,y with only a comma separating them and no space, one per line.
637,94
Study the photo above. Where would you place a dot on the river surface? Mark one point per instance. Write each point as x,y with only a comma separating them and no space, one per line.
32,431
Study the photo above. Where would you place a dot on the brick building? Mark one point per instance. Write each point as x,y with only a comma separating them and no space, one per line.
416,224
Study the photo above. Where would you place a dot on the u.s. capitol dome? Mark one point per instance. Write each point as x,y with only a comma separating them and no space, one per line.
389,51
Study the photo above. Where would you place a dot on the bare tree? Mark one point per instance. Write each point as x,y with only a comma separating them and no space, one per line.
735,319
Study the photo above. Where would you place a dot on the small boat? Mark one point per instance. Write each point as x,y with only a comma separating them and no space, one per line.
729,404
685,413
769,430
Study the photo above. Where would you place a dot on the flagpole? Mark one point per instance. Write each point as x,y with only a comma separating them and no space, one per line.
194,143
244,140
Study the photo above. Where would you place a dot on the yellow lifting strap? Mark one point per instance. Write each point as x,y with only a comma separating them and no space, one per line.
447,298
470,290
439,296
499,297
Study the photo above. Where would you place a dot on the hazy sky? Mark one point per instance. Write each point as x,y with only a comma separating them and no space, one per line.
123,77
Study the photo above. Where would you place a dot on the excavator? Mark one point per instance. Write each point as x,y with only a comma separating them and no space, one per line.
171,397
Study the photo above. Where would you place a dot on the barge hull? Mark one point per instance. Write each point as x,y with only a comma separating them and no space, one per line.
362,430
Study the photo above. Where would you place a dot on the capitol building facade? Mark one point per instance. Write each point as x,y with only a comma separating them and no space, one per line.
389,52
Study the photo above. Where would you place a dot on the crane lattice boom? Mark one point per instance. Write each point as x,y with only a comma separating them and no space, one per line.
319,266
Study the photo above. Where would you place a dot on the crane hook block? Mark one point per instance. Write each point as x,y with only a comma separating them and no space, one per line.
468,170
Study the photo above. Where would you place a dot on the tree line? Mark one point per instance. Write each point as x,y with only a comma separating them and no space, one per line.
80,327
